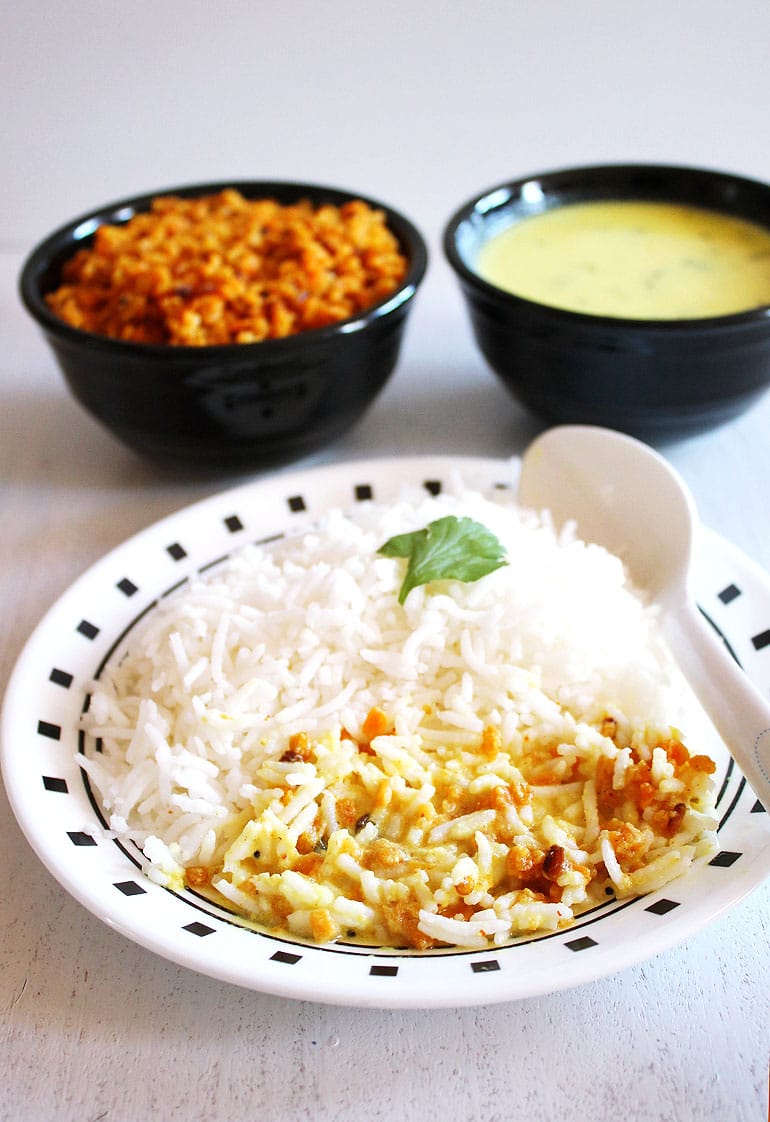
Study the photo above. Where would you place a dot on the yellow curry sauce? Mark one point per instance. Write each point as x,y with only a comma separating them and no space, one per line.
636,260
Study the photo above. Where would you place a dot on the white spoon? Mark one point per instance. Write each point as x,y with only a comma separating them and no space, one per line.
624,496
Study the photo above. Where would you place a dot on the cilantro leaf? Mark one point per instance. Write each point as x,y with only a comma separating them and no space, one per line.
449,549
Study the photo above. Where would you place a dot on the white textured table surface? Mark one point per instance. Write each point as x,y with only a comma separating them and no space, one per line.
95,1028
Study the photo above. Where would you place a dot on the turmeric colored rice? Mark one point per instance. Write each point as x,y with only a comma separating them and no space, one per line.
225,269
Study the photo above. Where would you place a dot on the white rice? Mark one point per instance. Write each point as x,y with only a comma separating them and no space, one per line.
554,653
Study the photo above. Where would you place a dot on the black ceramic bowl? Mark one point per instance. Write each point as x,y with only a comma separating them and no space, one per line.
232,406
652,378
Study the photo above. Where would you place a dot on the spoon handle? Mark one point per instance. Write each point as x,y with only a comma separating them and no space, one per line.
737,709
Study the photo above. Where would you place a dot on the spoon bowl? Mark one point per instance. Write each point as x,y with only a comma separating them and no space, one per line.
624,496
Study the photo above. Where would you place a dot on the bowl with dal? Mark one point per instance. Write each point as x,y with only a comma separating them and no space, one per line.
227,325
632,296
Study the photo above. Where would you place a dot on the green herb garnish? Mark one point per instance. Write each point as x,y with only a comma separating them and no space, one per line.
448,549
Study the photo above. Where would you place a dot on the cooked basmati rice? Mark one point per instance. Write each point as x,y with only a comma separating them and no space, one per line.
486,761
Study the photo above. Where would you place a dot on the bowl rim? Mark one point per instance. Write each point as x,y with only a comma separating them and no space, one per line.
80,229
510,187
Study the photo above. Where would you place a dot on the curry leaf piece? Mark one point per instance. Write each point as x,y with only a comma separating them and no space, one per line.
448,549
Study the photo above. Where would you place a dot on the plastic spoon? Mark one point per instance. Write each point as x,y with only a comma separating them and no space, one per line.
624,496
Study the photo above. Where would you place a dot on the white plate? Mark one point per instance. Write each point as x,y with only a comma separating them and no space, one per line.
61,817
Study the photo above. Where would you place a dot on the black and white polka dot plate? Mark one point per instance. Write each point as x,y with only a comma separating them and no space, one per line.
62,820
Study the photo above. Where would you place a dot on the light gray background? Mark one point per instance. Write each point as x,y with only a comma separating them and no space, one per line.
421,103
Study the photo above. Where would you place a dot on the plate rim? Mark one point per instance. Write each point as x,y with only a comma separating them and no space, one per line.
417,992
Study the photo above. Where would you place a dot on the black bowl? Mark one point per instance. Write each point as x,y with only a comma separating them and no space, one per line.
227,406
651,378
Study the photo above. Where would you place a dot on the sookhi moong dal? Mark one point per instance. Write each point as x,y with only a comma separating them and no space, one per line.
225,269
485,761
